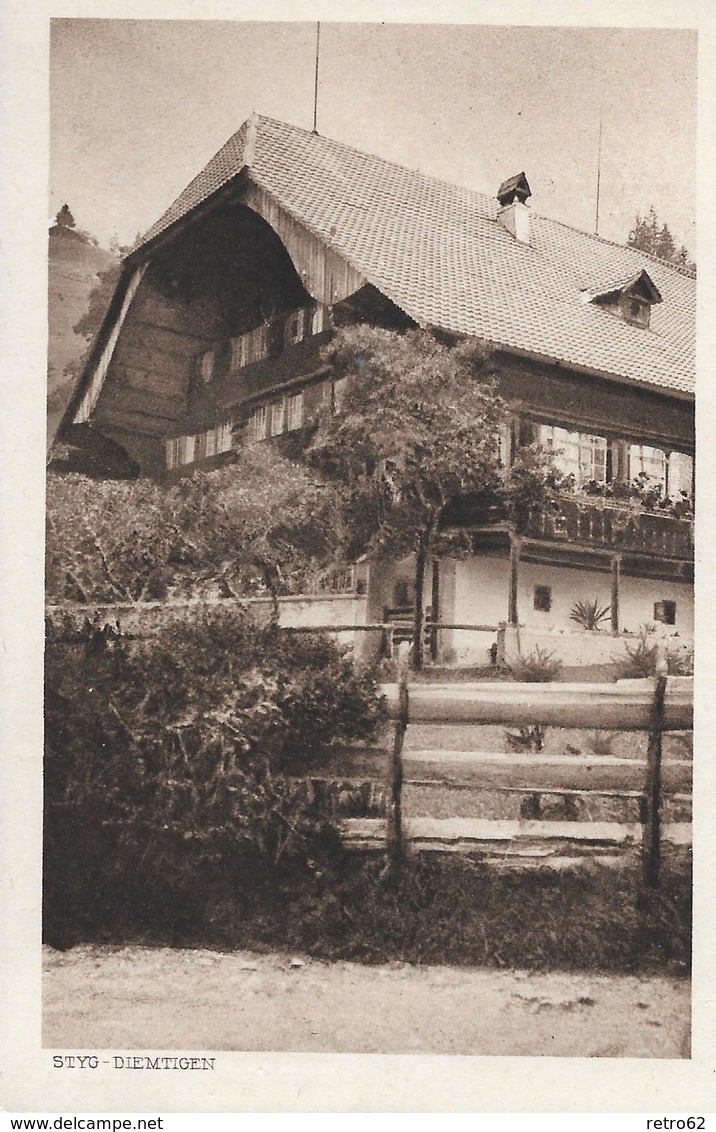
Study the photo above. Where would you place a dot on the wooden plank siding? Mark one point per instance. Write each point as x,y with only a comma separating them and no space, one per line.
554,394
152,384
94,387
325,274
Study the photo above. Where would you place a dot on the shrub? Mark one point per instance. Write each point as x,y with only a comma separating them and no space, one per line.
166,759
536,667
640,660
589,614
601,743
526,738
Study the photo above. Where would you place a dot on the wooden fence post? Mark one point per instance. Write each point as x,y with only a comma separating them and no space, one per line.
651,800
394,819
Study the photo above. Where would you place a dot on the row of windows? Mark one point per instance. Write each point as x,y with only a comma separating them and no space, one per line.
589,457
284,415
263,341
181,450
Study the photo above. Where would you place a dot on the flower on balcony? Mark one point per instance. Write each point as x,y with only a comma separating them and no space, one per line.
642,494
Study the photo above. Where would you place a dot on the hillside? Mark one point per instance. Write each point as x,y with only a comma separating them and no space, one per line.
74,264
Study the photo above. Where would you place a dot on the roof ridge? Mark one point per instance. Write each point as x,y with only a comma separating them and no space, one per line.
383,160
682,269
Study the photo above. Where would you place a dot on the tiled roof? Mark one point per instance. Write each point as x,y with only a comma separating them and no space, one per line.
440,254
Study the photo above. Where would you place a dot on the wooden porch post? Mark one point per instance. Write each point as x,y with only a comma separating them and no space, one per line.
616,572
435,601
512,610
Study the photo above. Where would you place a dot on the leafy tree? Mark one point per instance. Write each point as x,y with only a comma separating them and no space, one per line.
64,218
417,432
418,426
649,235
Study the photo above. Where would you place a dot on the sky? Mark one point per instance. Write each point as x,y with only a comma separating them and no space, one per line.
139,106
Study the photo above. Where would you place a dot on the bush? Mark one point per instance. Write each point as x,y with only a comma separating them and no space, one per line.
640,660
166,760
536,667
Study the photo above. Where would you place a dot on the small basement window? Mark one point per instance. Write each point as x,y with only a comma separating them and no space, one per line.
665,612
543,598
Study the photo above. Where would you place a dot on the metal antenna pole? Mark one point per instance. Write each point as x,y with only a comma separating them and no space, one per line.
599,168
315,87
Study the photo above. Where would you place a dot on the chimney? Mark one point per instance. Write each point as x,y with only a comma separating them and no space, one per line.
514,215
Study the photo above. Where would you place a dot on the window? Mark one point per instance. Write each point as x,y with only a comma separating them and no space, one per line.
277,417
319,319
636,310
681,475
200,442
665,611
224,436
302,323
172,451
630,299
217,439
257,423
579,454
543,598
294,412
296,326
402,593
186,449
249,347
647,461
206,366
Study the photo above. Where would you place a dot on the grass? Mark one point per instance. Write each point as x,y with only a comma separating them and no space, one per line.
452,910
441,910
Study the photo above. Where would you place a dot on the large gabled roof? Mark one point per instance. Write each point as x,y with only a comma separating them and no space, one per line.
439,252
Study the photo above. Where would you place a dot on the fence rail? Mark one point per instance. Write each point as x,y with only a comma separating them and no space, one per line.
624,706
654,705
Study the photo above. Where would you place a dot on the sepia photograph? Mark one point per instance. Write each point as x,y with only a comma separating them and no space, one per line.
369,541
369,626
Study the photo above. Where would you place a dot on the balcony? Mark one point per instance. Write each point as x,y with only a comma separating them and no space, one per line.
605,525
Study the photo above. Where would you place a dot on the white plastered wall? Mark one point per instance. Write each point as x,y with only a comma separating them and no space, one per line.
481,595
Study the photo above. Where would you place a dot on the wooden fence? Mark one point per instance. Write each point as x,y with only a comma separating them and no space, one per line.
655,705
393,633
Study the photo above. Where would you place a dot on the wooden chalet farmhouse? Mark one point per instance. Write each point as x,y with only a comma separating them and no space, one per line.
217,324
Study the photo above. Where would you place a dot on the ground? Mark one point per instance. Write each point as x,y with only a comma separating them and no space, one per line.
138,998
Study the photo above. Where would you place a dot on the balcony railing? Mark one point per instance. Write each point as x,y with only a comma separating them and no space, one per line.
602,523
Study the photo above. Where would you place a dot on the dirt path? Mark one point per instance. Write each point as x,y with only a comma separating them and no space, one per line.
136,998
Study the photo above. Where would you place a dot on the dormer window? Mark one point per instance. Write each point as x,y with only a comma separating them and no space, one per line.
637,311
630,299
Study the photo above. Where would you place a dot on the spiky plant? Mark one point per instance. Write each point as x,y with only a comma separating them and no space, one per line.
589,614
